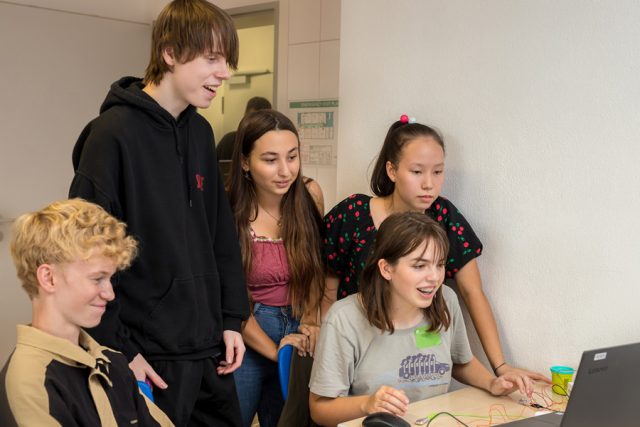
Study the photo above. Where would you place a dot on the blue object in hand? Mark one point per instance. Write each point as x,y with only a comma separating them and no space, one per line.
145,388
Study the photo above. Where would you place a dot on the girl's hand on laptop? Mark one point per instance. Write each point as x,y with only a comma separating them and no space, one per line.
142,370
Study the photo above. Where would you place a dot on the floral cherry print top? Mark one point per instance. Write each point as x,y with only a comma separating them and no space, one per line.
349,236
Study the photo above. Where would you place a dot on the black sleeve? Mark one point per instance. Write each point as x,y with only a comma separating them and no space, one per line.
124,401
235,300
6,416
33,403
97,169
96,160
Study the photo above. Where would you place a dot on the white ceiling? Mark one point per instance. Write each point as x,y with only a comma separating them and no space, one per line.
129,10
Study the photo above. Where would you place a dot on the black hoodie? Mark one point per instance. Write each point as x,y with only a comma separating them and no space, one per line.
160,176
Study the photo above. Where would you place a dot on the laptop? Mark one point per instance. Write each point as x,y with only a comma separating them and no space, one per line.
606,392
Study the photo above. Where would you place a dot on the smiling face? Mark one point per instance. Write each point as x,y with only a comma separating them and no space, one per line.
418,175
82,290
196,82
415,278
274,163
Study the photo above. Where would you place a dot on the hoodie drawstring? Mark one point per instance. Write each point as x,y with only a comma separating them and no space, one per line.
188,169
183,157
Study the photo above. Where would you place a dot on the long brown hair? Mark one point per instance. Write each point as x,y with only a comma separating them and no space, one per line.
398,135
399,235
301,221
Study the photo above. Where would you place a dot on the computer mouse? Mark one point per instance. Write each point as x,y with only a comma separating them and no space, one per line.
384,419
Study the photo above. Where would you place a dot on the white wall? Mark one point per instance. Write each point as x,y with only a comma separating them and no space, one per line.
538,102
57,68
313,58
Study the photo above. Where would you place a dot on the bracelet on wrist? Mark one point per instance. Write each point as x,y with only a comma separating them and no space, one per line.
495,370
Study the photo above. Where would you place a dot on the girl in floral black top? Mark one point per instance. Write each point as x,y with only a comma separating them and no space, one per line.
350,234
408,176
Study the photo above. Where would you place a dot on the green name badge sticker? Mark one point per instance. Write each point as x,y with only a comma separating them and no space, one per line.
425,339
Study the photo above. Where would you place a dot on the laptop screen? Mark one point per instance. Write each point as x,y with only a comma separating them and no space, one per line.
606,391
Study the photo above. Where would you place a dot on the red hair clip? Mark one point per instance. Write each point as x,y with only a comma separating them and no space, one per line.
406,119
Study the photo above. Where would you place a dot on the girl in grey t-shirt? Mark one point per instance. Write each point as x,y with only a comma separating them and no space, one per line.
402,338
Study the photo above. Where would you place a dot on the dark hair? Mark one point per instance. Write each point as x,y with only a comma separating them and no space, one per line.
397,137
399,235
257,103
190,28
301,221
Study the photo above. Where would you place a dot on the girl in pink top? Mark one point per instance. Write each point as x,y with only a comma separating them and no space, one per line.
278,225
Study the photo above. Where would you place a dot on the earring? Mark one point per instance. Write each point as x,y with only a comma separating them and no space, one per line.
246,175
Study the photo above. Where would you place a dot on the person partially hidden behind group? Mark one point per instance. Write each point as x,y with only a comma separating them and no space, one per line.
224,149
278,224
402,338
65,256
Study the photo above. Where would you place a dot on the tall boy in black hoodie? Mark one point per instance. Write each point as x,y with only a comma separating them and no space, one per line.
149,160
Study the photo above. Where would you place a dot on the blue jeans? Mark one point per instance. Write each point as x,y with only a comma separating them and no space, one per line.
257,381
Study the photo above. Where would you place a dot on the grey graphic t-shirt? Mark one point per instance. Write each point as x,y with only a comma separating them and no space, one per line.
354,358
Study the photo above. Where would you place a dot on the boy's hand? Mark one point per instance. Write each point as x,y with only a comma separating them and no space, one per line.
235,352
387,399
142,370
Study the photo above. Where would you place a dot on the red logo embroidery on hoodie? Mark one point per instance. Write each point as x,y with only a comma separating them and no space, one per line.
200,182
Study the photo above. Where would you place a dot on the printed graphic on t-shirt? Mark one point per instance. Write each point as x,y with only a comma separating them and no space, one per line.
424,368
